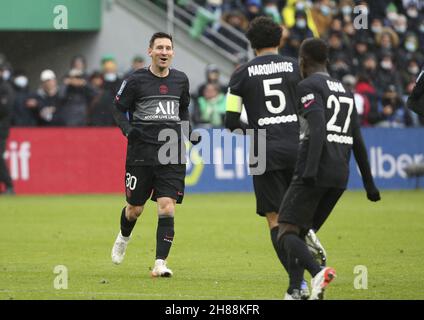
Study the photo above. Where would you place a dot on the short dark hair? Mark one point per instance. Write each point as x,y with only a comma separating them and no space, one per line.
263,32
314,50
159,35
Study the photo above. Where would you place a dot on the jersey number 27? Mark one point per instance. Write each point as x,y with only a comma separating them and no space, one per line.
335,102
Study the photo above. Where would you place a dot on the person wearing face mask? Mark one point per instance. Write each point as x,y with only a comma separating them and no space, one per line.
387,75
25,107
110,74
6,104
322,14
298,33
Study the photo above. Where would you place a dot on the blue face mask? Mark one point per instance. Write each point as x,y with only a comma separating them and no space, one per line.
346,10
410,46
325,10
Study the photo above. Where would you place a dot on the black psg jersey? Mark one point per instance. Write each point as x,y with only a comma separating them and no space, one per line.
321,93
267,86
153,104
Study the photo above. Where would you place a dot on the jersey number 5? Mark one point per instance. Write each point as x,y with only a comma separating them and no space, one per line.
334,102
274,92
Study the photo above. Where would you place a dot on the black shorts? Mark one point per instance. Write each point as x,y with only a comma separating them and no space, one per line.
308,206
144,182
270,189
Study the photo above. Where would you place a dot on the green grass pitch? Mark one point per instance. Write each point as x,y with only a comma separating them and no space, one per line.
222,250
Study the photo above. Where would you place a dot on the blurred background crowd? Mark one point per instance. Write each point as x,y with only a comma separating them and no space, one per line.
379,63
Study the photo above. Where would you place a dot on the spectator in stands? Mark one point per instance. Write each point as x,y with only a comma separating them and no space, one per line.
76,95
25,111
212,106
360,51
393,112
49,102
138,62
387,41
79,63
409,51
253,9
362,103
100,108
366,88
322,15
238,21
299,32
212,76
388,75
271,9
410,73
112,82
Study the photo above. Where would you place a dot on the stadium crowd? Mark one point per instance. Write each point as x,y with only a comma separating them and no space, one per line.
379,63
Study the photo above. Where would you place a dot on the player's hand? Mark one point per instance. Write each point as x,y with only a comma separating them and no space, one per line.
373,194
195,138
133,134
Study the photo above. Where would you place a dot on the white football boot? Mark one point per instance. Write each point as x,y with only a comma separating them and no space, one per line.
294,296
304,291
161,270
320,282
316,248
119,247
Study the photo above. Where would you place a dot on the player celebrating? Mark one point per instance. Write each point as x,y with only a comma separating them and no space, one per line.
267,87
155,98
329,130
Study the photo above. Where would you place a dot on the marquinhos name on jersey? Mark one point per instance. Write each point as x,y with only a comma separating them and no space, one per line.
270,68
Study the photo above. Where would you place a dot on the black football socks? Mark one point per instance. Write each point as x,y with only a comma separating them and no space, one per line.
126,225
164,236
281,253
296,249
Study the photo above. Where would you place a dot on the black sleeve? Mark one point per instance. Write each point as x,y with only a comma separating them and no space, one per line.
232,122
360,152
316,124
184,112
312,108
418,90
7,99
123,102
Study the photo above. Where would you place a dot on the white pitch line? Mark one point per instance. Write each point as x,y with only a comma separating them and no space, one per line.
132,294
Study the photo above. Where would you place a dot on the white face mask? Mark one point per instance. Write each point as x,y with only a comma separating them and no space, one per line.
413,13
401,28
110,77
386,65
376,29
410,46
413,70
301,23
6,75
21,81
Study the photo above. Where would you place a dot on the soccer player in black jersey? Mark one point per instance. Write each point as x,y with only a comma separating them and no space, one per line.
329,131
416,99
266,86
150,100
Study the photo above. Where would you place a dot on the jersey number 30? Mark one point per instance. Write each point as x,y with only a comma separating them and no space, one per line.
335,102
274,92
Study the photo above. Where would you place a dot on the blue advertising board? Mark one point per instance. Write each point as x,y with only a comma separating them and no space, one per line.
224,167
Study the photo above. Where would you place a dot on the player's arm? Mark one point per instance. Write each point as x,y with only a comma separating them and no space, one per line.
123,102
194,137
416,99
312,109
233,111
361,157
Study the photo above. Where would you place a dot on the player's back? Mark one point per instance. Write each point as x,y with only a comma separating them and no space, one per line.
320,91
267,85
